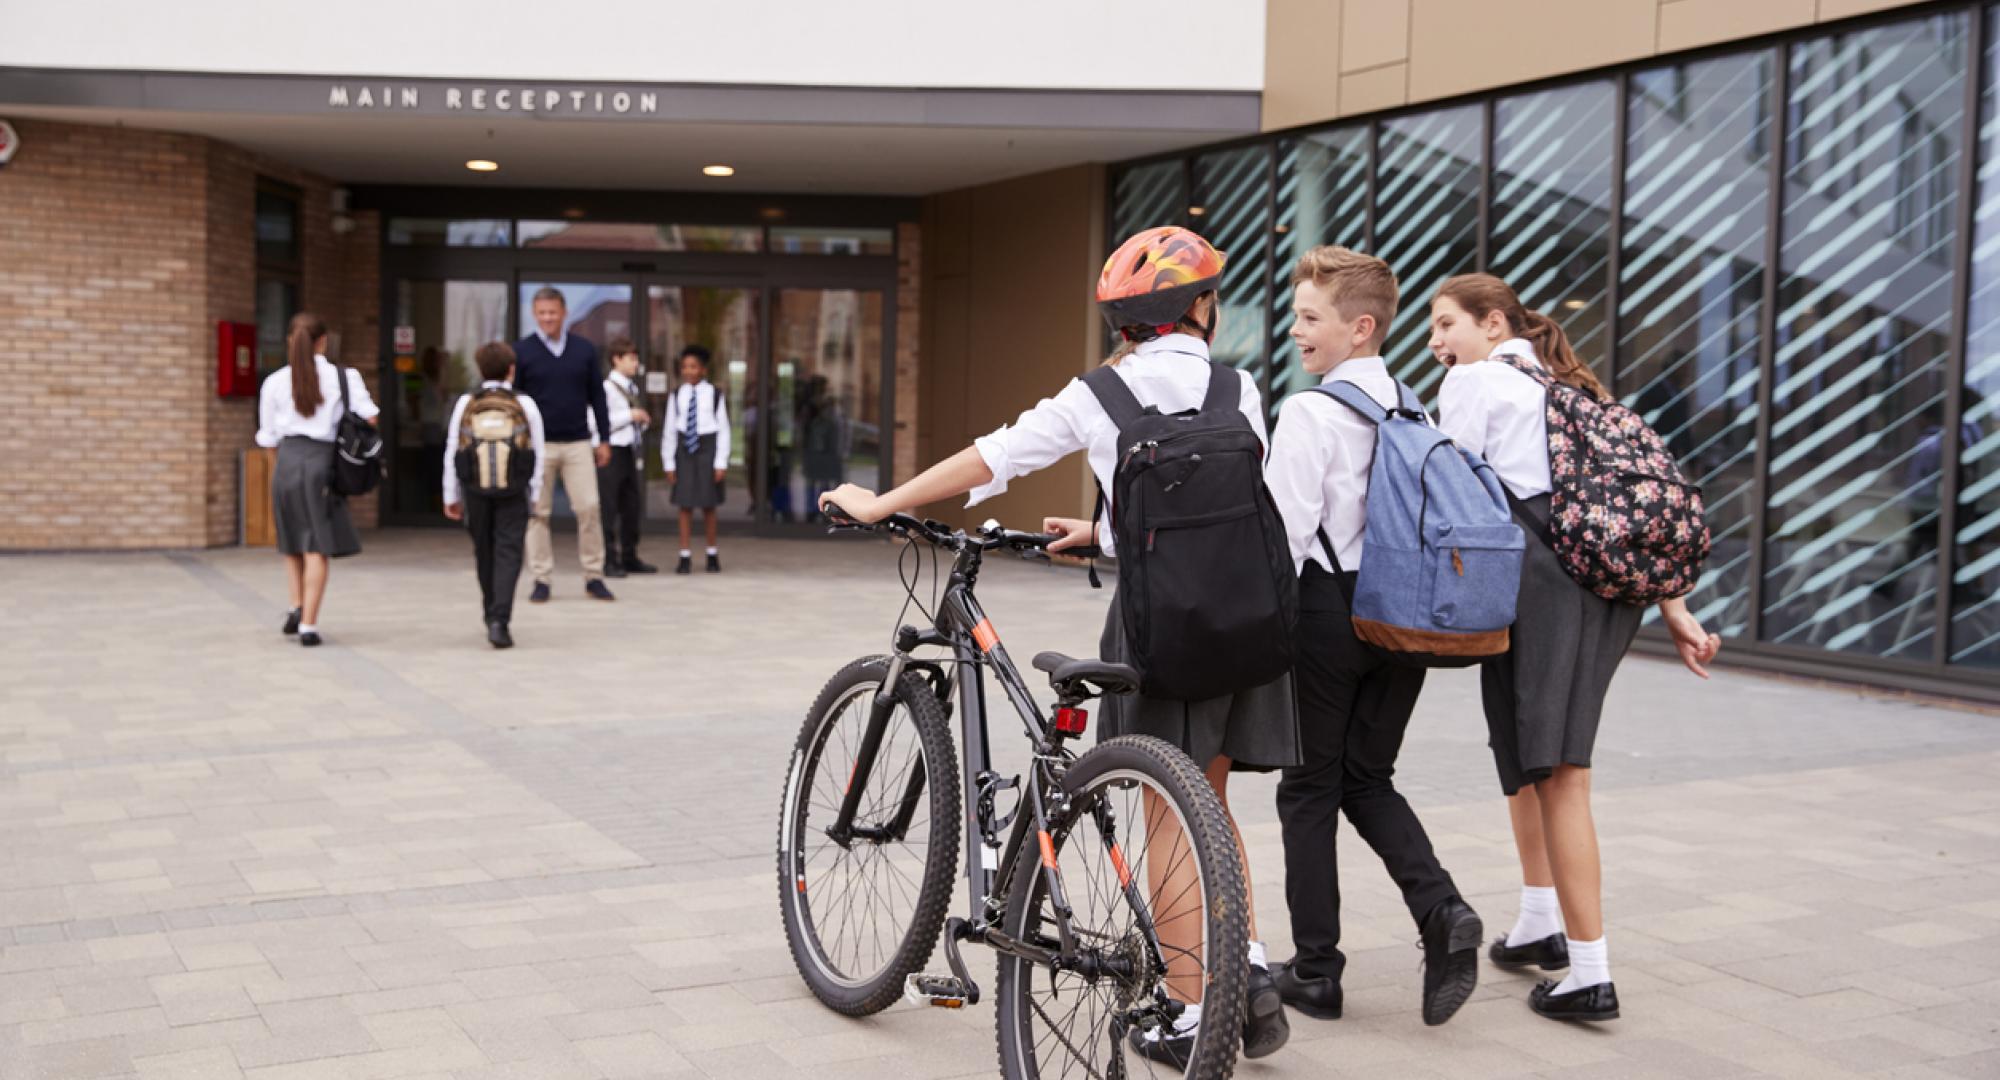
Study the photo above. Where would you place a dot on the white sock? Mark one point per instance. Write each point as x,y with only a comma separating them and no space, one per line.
1190,1017
686,554
1257,958
1540,917
1589,965
711,551
308,628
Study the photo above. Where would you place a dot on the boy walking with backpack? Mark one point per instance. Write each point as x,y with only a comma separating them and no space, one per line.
492,472
1334,469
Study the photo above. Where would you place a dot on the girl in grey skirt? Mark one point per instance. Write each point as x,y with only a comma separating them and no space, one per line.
698,427
1544,698
298,412
1165,363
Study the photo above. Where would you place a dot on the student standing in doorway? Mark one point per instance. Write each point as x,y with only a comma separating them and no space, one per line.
298,411
698,424
619,490
559,370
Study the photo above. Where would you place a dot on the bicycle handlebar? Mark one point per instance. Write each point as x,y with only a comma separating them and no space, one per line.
987,537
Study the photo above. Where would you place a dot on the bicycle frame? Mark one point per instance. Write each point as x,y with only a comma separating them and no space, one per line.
962,626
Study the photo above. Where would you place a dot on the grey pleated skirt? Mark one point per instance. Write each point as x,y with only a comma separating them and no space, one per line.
1544,697
1257,728
694,476
312,518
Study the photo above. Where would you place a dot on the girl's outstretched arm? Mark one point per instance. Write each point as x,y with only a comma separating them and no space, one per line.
948,479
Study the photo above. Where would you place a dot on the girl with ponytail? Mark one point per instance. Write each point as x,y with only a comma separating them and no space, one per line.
298,411
1543,699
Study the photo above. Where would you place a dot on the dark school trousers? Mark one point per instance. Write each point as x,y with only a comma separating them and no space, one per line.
499,528
619,494
1353,710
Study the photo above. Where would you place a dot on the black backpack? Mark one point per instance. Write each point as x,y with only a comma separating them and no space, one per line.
495,456
1206,584
357,449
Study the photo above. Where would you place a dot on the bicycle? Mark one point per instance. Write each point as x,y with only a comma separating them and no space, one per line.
1099,933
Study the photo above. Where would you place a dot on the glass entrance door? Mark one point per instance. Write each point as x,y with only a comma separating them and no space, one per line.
826,418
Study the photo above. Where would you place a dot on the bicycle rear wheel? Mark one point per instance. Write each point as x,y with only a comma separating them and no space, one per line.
1138,813
861,917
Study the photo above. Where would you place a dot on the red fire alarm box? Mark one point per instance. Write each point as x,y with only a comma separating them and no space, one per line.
235,359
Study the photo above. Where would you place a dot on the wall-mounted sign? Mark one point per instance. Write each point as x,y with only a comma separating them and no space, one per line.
9,142
406,339
656,382
417,97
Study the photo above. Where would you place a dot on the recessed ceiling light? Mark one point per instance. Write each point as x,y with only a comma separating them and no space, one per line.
1197,211
483,165
573,213
1576,305
717,170
772,213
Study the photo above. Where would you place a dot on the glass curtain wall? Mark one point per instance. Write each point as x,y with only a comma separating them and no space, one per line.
1786,257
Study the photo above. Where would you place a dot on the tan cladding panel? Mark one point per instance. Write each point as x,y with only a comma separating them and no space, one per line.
1334,58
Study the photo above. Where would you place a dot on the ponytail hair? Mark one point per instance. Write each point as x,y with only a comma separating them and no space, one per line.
1481,294
305,331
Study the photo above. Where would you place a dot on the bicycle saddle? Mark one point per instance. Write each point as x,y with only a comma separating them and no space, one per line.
1075,679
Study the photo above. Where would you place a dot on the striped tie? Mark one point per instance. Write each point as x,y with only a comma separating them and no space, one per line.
690,429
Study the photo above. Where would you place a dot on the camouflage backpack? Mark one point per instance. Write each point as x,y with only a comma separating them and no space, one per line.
496,449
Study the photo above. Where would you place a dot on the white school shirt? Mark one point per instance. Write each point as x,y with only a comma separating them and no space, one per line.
1169,372
278,419
1321,452
1500,414
451,490
708,420
623,431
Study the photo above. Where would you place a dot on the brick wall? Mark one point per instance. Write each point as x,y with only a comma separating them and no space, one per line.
909,348
103,369
122,250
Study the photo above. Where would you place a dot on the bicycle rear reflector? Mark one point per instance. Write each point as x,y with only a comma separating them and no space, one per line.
1072,721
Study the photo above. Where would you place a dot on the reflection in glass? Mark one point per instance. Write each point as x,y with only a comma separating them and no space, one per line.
825,422
1697,196
1232,193
595,311
1426,224
1975,581
441,232
1147,196
1322,199
616,236
804,241
725,322
1551,216
452,319
1864,318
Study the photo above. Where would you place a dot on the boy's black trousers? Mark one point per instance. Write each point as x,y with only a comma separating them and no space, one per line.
1353,710
622,499
499,528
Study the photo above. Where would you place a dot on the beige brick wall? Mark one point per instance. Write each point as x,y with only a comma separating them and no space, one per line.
1326,59
122,250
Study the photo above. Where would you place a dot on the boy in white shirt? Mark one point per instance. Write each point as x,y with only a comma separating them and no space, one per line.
488,486
1354,704
619,488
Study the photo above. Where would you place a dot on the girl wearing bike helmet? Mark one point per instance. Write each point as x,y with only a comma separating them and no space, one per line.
1158,292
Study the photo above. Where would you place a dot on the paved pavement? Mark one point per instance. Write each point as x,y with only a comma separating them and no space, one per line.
405,855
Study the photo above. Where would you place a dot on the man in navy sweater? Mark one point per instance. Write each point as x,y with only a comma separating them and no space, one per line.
559,370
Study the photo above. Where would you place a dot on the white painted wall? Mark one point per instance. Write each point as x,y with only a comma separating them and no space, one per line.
1018,44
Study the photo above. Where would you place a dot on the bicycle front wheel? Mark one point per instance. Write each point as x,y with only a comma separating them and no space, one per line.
863,913
1152,875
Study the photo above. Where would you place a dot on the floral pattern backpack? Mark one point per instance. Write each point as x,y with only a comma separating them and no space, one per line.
1624,520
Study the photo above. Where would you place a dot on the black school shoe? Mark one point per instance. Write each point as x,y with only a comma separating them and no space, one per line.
1172,1051
1451,935
540,595
714,564
309,638
1265,1029
1550,954
1592,1003
497,635
598,590
640,566
292,622
612,569
1319,998
686,566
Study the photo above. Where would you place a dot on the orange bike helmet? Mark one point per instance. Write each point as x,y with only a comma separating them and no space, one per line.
1154,278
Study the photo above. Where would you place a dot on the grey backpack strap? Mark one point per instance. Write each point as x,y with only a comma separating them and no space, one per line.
1354,398
1225,388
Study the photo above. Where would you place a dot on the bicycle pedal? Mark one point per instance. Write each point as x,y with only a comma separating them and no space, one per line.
938,991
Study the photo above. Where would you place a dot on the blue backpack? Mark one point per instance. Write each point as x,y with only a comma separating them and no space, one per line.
1441,554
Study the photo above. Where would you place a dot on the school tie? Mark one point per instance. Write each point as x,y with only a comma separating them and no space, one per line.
690,429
